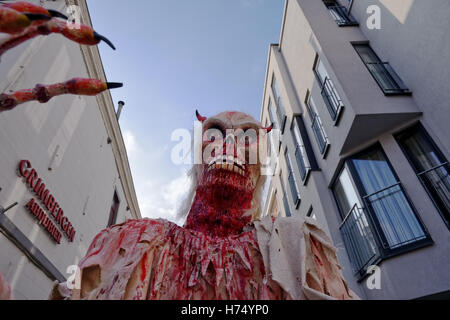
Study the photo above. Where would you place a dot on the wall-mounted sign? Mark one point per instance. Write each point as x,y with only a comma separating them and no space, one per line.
49,205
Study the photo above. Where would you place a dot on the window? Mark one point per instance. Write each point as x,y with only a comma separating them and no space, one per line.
317,126
378,218
301,155
273,147
329,93
311,213
383,73
281,114
272,116
114,210
340,14
430,165
295,192
287,210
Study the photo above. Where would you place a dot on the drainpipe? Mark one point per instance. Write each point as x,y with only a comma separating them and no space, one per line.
119,109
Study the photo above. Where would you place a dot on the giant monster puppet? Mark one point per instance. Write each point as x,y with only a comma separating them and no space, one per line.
223,252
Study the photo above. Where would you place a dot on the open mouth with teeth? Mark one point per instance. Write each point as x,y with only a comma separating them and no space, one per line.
231,164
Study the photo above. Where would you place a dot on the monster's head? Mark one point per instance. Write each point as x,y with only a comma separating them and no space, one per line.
228,182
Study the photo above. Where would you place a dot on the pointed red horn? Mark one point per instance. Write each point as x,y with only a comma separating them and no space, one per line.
269,129
199,117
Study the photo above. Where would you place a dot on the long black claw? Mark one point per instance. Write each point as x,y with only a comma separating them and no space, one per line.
114,85
37,16
100,38
57,14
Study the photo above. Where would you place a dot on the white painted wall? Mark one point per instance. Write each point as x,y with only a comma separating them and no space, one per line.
84,174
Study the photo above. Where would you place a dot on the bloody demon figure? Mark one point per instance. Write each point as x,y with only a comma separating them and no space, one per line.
224,251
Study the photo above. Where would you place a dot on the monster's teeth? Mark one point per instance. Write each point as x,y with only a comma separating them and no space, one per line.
218,166
236,170
230,167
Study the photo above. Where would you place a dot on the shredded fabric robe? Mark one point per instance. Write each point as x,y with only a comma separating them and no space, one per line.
283,258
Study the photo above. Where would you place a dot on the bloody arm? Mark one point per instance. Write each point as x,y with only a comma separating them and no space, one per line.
76,32
43,93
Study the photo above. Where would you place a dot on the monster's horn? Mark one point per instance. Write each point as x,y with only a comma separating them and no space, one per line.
269,129
100,38
199,117
57,14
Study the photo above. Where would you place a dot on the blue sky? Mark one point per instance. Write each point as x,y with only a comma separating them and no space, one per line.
175,56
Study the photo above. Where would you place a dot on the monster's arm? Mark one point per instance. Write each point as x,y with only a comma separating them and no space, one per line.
43,93
24,21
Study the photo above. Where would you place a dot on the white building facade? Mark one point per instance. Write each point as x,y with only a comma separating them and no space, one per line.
359,92
64,163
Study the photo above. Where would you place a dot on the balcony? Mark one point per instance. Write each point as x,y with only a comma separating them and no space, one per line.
294,189
320,135
341,16
332,99
386,227
359,240
387,78
282,118
302,166
394,219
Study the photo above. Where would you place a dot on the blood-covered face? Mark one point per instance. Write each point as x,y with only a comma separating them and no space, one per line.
231,150
228,176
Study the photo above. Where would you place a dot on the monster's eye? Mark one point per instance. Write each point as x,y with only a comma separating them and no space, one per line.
213,133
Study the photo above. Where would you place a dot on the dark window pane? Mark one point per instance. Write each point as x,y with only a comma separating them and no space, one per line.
383,73
114,210
430,166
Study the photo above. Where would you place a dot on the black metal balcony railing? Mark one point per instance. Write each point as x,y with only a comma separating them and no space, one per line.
332,99
395,220
359,240
294,189
341,16
387,78
437,181
319,133
302,166
386,226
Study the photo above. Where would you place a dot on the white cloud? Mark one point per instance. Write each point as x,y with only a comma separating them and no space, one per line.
158,196
130,143
163,201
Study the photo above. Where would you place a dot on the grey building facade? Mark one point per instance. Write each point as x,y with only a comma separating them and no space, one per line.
359,93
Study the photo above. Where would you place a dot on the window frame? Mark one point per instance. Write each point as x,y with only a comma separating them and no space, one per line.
326,92
114,215
348,20
280,108
419,129
289,165
374,223
287,208
314,115
387,69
